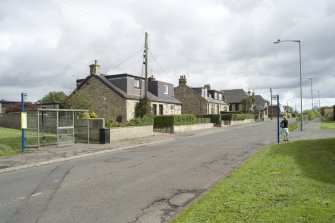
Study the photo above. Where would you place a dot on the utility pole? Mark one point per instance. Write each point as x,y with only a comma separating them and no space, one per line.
271,104
145,62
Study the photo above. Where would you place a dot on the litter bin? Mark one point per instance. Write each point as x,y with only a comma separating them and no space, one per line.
104,135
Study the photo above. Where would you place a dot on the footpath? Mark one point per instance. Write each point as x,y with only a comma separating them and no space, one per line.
49,155
311,130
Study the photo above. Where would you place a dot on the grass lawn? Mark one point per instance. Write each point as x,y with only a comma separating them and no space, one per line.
10,141
287,182
327,124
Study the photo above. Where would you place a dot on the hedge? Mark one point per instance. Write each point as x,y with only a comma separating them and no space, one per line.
215,118
162,121
231,112
236,117
244,116
146,120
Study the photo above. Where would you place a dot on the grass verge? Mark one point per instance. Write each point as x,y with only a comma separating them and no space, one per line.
10,141
288,182
327,124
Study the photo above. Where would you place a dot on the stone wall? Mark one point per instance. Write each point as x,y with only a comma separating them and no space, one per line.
192,102
105,101
184,128
131,132
239,122
11,120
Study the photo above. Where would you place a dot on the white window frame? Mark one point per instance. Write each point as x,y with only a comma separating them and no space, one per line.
136,83
165,89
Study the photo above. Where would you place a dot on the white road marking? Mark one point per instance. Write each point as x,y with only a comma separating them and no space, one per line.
36,194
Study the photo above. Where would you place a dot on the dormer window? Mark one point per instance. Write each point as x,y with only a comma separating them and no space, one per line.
137,83
165,89
205,93
220,97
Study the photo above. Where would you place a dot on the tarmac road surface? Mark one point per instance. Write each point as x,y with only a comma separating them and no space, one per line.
143,184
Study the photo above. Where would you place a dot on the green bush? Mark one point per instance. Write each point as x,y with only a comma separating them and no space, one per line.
203,120
312,114
227,116
243,116
146,120
215,118
231,112
88,115
162,121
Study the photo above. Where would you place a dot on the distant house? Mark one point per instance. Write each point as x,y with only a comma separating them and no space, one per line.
4,105
234,98
200,100
273,110
261,107
115,96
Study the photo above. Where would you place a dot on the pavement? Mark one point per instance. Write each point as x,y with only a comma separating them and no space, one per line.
49,155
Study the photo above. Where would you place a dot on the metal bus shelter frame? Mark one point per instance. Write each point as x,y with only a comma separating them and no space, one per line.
63,129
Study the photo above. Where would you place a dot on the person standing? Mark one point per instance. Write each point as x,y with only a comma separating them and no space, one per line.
284,126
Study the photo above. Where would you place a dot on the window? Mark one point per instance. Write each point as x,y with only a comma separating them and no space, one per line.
215,95
172,109
161,109
205,93
220,96
137,83
165,89
154,109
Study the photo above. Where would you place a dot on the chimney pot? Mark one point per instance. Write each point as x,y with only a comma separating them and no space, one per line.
94,68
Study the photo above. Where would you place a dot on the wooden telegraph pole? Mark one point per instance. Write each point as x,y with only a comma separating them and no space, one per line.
145,57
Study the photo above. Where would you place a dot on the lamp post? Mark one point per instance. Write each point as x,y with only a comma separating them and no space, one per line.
296,41
318,96
311,79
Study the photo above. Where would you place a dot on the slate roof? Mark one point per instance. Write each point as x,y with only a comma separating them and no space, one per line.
234,95
154,98
208,99
260,102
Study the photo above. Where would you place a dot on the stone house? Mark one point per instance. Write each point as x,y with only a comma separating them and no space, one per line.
261,107
234,97
201,100
115,96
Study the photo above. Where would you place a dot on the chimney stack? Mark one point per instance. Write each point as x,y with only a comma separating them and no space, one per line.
94,68
182,80
152,78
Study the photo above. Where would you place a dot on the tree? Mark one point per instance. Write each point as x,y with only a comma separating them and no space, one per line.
248,103
143,108
78,100
54,97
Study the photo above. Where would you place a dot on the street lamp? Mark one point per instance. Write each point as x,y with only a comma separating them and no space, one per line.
318,96
296,41
311,79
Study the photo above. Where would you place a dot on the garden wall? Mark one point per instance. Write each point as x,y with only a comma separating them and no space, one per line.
184,128
131,132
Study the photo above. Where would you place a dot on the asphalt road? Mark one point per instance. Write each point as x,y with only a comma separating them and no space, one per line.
143,184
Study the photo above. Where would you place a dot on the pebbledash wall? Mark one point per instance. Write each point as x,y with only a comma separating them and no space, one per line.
131,132
184,128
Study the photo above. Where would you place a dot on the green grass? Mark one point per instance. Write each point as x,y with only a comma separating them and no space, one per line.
10,141
287,182
327,124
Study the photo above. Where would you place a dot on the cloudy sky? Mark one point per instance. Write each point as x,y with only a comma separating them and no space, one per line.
46,45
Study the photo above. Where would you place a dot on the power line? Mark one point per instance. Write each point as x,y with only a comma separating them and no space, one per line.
128,58
160,66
